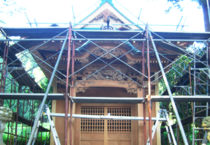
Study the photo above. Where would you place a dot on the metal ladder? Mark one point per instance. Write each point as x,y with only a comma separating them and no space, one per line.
163,113
52,126
200,109
154,127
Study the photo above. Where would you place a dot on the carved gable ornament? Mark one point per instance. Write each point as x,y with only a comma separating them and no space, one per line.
106,17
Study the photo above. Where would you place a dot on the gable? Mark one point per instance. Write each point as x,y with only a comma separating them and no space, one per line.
106,12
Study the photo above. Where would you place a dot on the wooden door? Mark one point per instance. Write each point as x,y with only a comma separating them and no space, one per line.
105,132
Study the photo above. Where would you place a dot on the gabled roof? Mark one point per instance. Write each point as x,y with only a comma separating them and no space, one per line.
99,16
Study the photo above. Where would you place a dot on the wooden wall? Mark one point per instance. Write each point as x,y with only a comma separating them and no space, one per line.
134,136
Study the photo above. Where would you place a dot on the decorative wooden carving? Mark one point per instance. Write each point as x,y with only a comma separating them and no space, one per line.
100,52
107,75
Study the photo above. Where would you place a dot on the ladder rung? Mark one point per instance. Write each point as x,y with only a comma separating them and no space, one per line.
200,128
201,84
199,117
198,139
205,95
201,106
199,68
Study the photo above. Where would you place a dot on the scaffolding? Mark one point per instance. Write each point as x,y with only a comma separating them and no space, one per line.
201,87
147,45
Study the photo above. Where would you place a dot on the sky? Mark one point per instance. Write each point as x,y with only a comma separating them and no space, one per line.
153,12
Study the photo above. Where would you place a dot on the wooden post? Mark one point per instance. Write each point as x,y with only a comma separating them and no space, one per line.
105,128
157,108
77,123
140,114
54,85
72,120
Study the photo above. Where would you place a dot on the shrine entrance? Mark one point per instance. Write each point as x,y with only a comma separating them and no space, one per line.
106,132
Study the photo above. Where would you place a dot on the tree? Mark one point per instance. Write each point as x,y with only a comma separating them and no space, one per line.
9,9
203,4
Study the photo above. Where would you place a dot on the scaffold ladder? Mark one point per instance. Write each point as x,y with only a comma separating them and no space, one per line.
200,109
170,132
154,128
52,126
163,114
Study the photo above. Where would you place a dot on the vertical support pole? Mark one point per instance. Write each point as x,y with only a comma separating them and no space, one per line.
169,92
190,78
54,109
154,128
177,133
3,71
169,137
140,129
67,87
105,128
170,128
72,90
194,93
16,123
149,88
24,135
157,110
41,107
143,89
208,9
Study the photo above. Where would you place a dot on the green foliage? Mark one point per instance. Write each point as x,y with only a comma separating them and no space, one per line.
26,108
175,73
177,70
23,133
32,67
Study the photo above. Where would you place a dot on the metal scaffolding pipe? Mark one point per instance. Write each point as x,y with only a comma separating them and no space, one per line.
208,9
170,128
149,87
102,55
169,92
127,100
41,107
143,93
72,89
102,39
133,68
109,64
67,88
105,117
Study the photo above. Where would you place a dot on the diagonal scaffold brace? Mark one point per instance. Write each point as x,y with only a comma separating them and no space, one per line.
169,91
35,128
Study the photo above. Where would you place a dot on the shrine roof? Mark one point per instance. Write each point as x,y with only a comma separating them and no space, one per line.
103,34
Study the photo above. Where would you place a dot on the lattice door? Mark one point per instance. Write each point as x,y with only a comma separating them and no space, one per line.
97,125
92,125
119,125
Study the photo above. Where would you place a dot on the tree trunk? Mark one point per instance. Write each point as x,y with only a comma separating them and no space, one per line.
206,16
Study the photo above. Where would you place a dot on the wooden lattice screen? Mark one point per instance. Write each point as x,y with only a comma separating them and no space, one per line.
119,125
92,124
97,125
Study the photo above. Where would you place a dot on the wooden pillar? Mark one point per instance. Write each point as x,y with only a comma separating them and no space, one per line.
140,125
134,126
54,85
77,124
75,135
105,128
157,108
